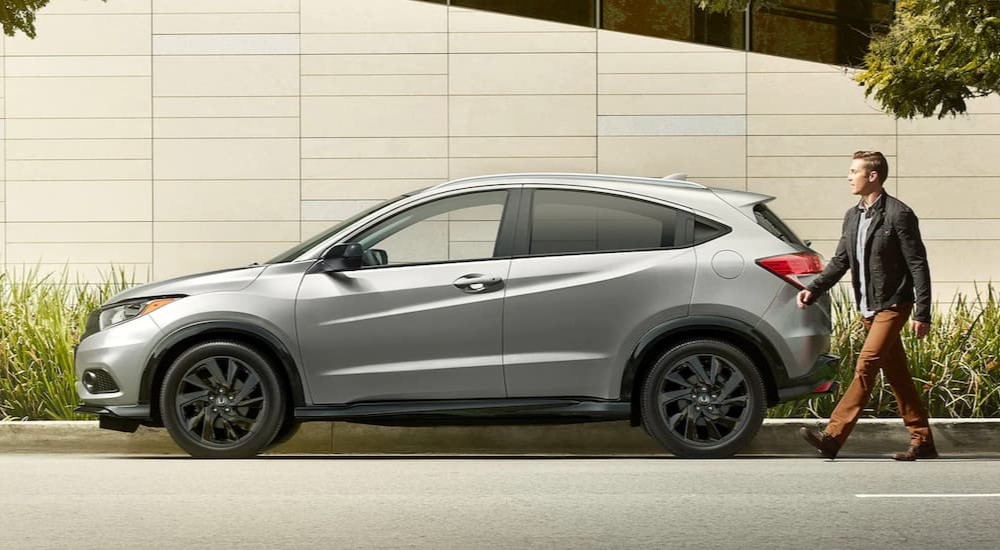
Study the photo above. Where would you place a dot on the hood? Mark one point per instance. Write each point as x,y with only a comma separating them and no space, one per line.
200,283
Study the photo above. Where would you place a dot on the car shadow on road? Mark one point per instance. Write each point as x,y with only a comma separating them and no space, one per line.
854,458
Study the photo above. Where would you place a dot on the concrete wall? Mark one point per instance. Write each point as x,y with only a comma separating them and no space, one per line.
171,136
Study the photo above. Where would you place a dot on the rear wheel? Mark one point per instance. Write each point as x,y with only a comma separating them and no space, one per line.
703,399
222,399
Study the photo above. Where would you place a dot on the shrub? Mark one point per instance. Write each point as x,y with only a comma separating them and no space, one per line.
955,366
41,319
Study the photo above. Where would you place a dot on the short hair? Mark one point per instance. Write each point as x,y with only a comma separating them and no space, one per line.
874,162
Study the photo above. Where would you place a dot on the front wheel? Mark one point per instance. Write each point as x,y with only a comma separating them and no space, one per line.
703,399
289,427
222,399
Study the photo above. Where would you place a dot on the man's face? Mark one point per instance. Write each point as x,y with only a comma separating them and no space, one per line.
863,182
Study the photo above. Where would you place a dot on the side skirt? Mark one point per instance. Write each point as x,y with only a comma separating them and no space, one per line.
470,412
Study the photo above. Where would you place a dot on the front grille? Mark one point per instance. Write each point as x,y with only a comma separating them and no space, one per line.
99,381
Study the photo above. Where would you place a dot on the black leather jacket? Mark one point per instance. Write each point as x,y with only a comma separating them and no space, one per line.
897,270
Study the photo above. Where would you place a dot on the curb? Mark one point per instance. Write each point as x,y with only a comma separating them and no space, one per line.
776,437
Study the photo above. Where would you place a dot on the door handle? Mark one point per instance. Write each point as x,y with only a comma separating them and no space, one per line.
477,282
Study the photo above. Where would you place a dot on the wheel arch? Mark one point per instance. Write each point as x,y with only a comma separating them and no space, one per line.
167,350
732,331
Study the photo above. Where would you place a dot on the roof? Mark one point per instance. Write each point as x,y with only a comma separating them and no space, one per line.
568,179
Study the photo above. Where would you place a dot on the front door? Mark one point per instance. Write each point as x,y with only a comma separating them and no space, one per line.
423,318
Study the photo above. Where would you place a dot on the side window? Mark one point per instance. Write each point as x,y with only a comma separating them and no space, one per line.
464,227
704,232
577,221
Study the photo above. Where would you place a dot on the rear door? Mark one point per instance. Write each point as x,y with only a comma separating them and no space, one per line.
592,272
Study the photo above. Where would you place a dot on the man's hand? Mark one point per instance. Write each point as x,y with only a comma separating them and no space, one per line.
804,298
920,328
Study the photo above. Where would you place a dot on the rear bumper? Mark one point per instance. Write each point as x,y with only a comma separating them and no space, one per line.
818,381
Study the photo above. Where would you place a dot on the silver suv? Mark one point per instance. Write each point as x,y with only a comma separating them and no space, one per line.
498,299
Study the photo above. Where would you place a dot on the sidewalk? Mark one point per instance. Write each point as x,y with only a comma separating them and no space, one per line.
776,437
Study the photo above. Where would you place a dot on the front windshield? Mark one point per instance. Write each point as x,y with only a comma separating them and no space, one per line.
301,249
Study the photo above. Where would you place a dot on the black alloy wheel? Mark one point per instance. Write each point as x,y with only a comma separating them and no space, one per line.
222,399
703,399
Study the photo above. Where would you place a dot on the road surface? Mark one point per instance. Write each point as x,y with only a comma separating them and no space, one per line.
107,501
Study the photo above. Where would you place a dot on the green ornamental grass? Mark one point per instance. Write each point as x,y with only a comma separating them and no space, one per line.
41,319
955,367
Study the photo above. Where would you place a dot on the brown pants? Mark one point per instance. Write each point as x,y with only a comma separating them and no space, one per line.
883,349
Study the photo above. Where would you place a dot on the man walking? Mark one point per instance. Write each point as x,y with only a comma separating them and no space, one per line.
881,245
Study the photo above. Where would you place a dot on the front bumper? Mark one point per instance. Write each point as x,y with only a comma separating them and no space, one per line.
121,352
121,418
818,381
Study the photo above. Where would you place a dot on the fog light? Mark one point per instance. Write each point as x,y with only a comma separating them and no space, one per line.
99,381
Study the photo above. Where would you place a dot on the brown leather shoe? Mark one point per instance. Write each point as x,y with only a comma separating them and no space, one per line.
822,442
915,451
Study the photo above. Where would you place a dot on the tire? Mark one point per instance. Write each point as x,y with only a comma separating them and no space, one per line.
289,427
703,399
222,399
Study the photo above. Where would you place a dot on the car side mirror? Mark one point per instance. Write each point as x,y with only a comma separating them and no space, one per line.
342,257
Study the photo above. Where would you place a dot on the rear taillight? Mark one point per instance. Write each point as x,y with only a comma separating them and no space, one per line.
791,266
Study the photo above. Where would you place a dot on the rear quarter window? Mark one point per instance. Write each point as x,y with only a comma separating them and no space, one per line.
705,231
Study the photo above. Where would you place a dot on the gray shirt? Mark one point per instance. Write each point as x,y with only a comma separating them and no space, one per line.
863,224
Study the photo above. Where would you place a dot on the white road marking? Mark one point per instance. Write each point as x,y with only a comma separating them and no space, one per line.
933,495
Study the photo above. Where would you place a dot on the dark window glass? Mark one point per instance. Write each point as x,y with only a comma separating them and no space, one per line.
767,219
828,31
574,12
575,221
704,232
673,19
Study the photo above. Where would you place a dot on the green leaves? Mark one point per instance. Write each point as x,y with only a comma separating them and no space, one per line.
935,56
729,6
41,319
955,367
19,15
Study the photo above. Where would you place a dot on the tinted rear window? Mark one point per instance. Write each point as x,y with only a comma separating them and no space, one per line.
565,222
770,221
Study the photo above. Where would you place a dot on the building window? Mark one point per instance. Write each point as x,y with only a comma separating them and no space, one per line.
828,31
574,12
673,19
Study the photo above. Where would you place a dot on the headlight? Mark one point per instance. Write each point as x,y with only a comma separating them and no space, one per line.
120,313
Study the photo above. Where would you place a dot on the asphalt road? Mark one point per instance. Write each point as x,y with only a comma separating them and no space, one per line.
77,501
